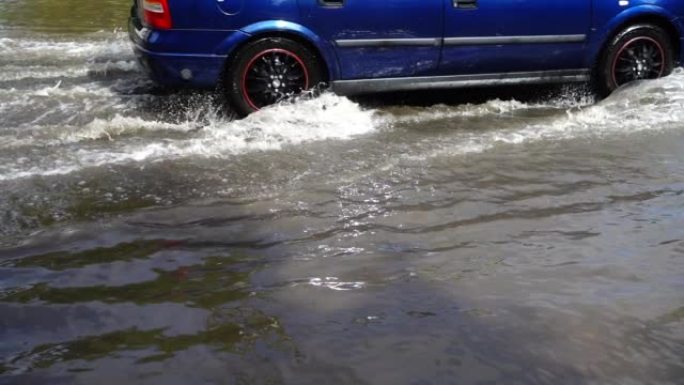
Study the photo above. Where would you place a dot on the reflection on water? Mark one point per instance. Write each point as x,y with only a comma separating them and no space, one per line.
206,285
65,260
225,337
217,284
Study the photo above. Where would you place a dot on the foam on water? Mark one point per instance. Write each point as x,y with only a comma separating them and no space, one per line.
495,107
649,106
442,111
32,50
22,97
18,72
87,123
326,117
30,59
99,129
120,125
55,91
653,106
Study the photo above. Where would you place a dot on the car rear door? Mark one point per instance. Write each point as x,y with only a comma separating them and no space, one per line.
379,38
496,36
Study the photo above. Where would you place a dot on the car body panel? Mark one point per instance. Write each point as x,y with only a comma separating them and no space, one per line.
372,42
609,18
265,28
411,44
551,35
165,65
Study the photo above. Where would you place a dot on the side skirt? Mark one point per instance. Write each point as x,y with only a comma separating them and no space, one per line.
360,86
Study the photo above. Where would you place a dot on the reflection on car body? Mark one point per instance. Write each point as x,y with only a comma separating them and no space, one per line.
260,51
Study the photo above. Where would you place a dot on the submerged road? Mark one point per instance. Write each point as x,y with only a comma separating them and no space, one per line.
146,238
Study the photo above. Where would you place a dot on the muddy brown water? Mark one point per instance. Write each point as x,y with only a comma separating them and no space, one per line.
146,238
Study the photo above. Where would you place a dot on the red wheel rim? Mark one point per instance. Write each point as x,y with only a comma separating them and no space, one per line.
640,58
273,75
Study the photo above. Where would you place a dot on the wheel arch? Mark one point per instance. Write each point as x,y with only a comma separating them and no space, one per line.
635,16
283,29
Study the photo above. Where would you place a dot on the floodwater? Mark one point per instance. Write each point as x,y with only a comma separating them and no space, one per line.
147,238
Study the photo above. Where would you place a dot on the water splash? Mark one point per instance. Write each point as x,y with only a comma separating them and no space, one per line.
71,121
649,106
326,117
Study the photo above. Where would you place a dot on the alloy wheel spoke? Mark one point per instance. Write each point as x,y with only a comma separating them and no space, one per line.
640,59
274,76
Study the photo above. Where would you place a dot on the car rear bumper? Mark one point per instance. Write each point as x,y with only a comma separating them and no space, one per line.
180,59
181,70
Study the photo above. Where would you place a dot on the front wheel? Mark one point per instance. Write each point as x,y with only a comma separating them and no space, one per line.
637,53
269,70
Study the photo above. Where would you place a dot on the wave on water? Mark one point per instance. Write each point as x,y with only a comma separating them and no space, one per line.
19,72
326,117
72,124
495,107
648,106
18,49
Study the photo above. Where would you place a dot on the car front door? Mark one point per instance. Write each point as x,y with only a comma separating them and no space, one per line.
498,36
379,38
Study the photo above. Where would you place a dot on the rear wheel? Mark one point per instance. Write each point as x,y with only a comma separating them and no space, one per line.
639,52
269,70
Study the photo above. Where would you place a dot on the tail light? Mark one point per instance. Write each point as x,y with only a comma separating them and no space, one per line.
157,14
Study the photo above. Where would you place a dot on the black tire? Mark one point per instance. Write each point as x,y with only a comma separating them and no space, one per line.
268,70
642,51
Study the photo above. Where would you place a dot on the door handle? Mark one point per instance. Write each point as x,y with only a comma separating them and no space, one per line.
465,4
331,3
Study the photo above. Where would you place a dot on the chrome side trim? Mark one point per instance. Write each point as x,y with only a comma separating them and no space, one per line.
455,41
351,87
501,40
357,43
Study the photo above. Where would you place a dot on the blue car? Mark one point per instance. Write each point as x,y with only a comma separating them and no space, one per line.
261,51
